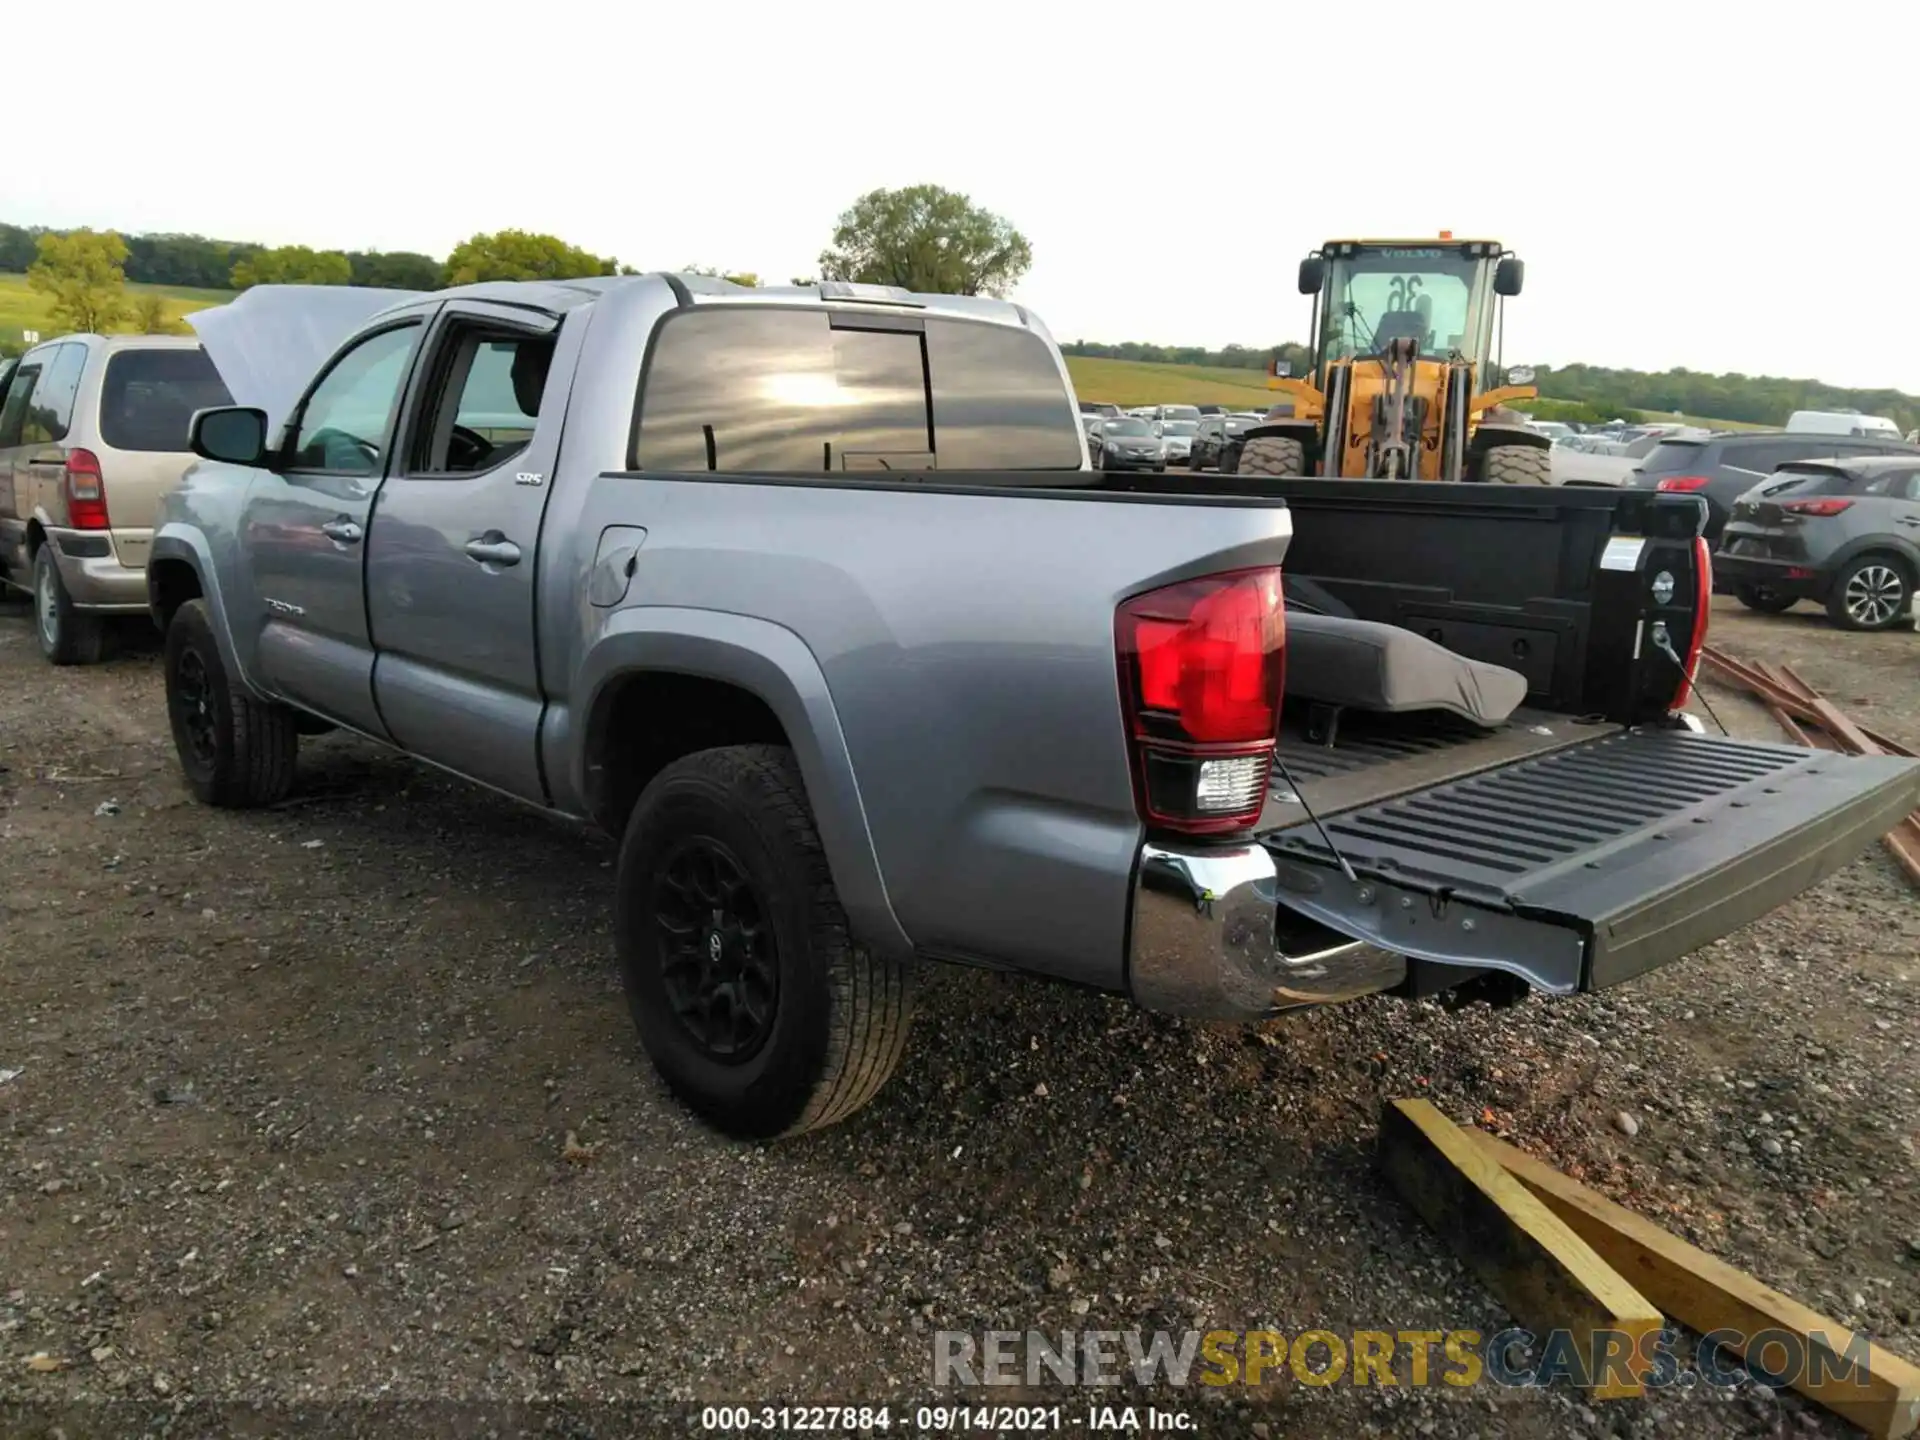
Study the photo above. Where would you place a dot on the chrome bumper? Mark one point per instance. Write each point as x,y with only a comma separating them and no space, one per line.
1206,941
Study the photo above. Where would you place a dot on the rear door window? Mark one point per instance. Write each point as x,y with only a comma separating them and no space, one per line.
147,397
13,414
999,401
50,411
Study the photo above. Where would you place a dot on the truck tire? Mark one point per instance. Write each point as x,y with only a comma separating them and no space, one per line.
66,636
751,997
1517,465
235,751
1267,455
1872,593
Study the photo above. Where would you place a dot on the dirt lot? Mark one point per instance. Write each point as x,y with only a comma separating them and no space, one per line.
295,1092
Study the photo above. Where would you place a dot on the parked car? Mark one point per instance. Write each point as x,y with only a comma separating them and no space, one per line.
1177,438
1722,467
1605,461
1214,435
1010,712
1841,422
1553,429
1174,412
1211,409
1128,443
93,431
1098,407
1843,532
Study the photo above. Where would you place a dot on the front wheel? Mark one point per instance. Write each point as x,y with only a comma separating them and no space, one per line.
1870,594
235,751
1266,455
752,999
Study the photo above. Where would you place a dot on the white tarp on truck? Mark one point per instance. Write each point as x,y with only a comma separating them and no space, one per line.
268,343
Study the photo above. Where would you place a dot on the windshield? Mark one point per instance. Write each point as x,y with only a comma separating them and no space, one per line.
1179,427
1437,296
1126,427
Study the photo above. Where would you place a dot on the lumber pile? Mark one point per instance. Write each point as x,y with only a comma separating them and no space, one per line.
1810,719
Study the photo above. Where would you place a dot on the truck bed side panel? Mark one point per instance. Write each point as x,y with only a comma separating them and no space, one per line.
967,639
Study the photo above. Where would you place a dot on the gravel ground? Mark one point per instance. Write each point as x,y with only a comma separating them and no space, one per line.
337,1106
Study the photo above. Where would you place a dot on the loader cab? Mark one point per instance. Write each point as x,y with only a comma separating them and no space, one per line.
1443,294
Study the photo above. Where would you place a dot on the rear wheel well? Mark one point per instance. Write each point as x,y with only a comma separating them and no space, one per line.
170,584
645,721
36,537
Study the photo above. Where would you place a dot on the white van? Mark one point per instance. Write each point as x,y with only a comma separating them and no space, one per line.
1840,422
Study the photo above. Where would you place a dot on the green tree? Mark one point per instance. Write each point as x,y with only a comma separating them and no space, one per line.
148,316
927,239
738,277
521,255
293,265
80,273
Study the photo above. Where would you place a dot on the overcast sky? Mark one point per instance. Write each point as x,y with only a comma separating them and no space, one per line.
1713,186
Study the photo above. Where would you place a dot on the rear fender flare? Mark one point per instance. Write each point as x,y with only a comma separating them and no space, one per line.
774,664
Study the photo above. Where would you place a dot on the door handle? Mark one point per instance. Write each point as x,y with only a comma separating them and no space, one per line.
343,530
493,548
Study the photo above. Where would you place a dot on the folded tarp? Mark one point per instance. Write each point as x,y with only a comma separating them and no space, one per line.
1361,665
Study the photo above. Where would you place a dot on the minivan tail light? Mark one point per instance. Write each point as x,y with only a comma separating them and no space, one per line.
1682,484
1202,665
86,492
1822,508
1702,611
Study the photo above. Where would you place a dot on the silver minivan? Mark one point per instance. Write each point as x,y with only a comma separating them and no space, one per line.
93,431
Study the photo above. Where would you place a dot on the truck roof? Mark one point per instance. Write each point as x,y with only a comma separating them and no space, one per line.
556,297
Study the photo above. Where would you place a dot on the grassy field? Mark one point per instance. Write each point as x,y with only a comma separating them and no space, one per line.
24,309
1137,382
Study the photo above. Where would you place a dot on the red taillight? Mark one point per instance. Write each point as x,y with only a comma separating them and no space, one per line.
1821,508
86,492
1202,664
1682,484
1702,610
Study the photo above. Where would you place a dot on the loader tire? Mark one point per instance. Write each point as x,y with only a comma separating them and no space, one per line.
1517,465
1267,455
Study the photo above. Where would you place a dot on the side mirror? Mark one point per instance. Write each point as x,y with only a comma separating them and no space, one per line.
1158,428
1279,369
235,434
1509,275
1520,375
1313,270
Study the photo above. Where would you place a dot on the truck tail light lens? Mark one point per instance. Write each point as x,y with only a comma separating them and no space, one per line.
1682,484
1821,508
86,492
1702,611
1202,664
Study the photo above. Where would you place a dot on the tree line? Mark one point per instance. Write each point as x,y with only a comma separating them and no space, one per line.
1588,393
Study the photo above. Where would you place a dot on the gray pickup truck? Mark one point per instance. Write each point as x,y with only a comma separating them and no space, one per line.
812,596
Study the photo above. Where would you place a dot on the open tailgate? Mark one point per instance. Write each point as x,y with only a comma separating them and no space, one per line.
1595,863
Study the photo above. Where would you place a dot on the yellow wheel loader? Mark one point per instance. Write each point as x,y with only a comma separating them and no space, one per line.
1404,346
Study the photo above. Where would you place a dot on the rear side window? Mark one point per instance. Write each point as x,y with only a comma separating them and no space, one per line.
762,390
13,412
50,408
999,401
147,397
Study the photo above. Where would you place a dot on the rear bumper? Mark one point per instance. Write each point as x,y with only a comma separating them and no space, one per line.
96,581
1206,945
1788,577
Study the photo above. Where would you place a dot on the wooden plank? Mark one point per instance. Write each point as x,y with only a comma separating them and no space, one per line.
1709,1295
1546,1276
1800,687
1745,678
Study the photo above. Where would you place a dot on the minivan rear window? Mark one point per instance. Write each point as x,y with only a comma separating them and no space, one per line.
1671,457
147,397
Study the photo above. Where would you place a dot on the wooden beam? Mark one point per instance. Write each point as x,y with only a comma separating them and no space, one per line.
1709,1295
1546,1276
